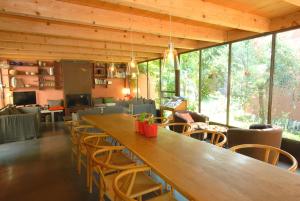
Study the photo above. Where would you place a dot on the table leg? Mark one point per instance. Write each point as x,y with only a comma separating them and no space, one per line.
52,117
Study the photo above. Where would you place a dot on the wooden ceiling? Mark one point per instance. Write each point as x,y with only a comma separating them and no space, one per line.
103,30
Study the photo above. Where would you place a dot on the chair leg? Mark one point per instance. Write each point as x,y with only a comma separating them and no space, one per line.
79,163
87,170
91,178
101,193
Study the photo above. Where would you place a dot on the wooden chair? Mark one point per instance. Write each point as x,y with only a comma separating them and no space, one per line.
215,138
268,150
107,162
90,144
178,127
79,133
127,185
160,120
148,115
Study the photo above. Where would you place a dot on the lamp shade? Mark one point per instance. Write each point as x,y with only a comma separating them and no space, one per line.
171,57
132,68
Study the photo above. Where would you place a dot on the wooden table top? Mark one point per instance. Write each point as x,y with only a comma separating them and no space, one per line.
200,170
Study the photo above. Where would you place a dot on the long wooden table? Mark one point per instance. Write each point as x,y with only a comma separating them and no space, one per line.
199,170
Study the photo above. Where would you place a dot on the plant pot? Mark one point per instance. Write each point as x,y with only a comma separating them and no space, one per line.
150,130
140,127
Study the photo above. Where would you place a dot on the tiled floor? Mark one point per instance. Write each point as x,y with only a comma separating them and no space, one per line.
41,169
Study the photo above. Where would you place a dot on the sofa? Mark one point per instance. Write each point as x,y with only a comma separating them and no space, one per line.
110,106
256,134
189,117
18,124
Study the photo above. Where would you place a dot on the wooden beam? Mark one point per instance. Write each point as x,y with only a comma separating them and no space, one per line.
291,20
28,25
79,14
70,49
201,11
36,54
293,2
63,41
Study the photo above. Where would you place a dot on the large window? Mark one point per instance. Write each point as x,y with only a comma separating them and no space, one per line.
167,81
214,78
250,72
142,80
189,79
154,81
286,88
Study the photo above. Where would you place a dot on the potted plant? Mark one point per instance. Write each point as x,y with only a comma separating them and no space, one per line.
140,123
150,128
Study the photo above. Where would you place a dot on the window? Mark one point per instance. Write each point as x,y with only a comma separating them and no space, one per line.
142,80
250,72
214,76
154,81
168,78
286,87
189,79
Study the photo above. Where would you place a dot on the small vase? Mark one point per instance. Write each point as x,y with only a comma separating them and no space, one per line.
150,130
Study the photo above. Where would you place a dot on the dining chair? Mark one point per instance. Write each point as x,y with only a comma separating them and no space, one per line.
147,115
107,163
178,127
90,144
127,186
214,137
160,120
77,138
271,154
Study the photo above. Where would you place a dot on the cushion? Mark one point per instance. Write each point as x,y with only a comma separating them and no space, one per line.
52,103
14,110
108,100
54,108
98,101
186,116
4,111
260,126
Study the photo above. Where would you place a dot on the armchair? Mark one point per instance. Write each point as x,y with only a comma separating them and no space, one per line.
190,117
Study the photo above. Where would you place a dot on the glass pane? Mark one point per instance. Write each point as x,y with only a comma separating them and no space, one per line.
142,84
286,93
154,81
189,79
168,78
250,72
214,83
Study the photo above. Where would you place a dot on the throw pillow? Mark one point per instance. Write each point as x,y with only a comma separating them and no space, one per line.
260,126
108,100
4,112
14,110
186,116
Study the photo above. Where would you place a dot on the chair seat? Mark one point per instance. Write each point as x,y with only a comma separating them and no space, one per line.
143,185
164,197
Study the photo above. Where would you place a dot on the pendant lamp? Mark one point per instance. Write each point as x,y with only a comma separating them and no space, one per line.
170,54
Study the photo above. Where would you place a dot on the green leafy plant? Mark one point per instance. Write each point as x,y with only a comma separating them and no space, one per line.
142,117
151,121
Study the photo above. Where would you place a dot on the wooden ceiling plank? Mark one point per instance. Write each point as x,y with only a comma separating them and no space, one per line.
292,20
201,11
62,41
15,24
293,2
68,49
5,53
79,14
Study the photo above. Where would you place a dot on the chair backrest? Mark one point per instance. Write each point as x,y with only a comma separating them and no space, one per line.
124,182
270,136
94,142
268,150
178,127
214,137
160,120
147,115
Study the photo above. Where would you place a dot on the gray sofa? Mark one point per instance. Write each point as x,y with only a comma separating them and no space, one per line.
135,106
21,126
